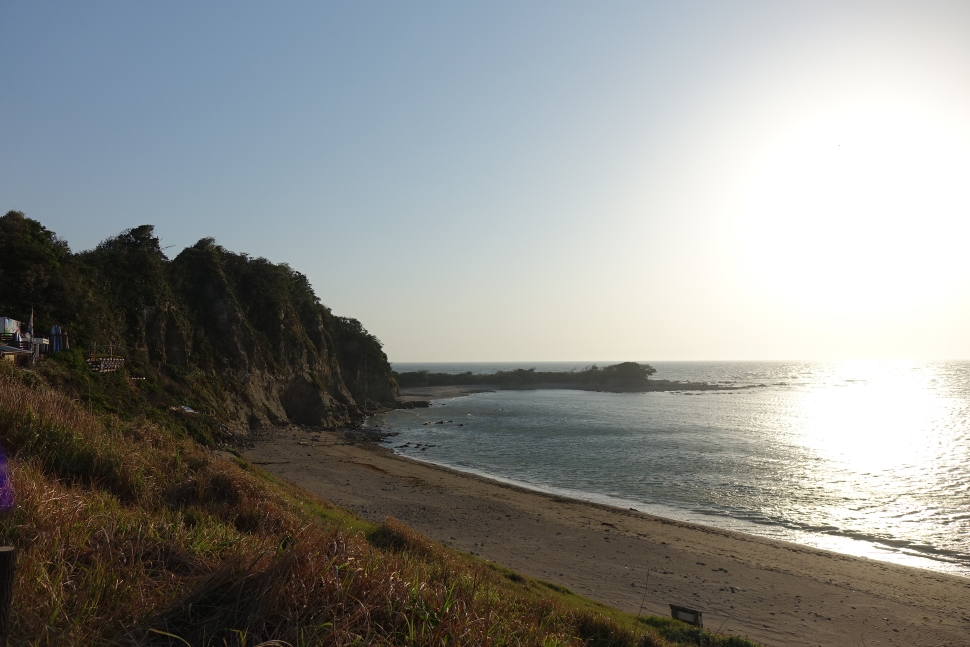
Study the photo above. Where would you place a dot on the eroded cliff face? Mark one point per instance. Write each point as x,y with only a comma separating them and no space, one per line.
259,327
267,336
248,337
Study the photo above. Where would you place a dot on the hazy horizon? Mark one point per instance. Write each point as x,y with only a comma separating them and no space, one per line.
750,181
525,363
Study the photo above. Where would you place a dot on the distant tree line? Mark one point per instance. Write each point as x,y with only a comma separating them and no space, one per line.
625,376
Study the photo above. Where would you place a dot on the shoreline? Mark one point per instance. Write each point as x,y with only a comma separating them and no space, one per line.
429,393
919,562
775,592
836,543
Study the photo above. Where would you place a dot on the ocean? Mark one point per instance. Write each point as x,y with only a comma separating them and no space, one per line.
866,458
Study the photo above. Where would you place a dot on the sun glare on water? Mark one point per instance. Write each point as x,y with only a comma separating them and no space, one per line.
880,417
880,437
862,213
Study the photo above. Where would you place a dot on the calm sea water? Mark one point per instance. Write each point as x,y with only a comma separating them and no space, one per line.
865,458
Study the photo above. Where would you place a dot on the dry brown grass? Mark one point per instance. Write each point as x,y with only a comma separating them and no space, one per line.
128,535
335,588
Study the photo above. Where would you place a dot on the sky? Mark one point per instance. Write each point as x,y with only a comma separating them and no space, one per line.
540,181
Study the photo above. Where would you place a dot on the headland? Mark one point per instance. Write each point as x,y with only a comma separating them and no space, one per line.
625,377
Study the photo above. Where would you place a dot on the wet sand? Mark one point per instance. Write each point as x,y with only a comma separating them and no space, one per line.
425,393
773,592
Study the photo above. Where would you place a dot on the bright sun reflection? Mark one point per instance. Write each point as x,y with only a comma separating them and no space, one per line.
863,212
879,435
879,419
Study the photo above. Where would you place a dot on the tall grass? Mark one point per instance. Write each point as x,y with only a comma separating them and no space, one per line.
130,536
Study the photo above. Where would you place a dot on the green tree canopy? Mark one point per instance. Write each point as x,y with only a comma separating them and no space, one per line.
34,263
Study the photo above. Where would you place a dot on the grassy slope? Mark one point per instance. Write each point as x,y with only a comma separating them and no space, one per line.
132,533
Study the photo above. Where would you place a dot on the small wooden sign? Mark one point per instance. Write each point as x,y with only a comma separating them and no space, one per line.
690,616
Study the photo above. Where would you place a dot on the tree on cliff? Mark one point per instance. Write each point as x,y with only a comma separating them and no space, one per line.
35,269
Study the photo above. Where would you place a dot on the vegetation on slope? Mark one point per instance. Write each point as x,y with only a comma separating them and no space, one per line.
130,532
242,338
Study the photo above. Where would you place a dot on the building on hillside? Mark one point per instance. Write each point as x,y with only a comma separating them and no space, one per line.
10,332
17,336
14,354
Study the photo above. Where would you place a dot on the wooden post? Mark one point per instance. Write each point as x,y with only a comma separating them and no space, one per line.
8,564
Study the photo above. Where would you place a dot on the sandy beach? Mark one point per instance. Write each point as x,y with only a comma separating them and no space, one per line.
427,393
773,592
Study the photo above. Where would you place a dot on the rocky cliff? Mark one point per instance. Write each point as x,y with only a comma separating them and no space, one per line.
240,337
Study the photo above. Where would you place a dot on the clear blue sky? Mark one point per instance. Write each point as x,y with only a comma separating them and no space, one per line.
526,181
